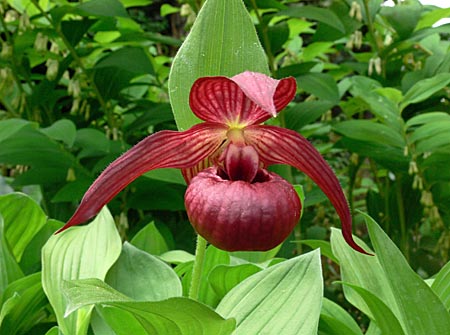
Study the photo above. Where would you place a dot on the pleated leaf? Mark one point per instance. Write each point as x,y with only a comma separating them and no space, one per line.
283,299
78,253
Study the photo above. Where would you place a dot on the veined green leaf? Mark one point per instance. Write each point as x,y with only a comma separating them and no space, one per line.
224,277
441,285
334,320
78,253
430,130
369,131
9,269
283,299
427,118
424,88
150,240
143,277
23,218
175,316
222,41
382,314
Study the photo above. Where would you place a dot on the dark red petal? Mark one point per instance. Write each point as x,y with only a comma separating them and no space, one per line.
241,162
163,149
283,146
224,100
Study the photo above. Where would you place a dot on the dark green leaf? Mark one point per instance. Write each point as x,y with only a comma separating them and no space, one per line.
322,85
62,130
314,13
150,240
403,17
74,30
102,8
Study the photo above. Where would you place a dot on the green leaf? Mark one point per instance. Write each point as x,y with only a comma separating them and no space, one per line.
150,240
325,248
30,304
425,88
303,113
23,218
322,85
441,285
143,277
77,253
388,276
74,30
315,13
213,258
177,257
62,130
430,18
256,256
334,320
222,41
382,314
427,118
172,316
366,130
224,277
11,126
403,17
9,269
283,299
102,8
431,129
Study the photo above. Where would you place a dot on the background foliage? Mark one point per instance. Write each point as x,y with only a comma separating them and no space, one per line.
81,82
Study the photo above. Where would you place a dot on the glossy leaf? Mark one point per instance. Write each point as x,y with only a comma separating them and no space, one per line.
172,316
143,277
222,41
283,299
23,218
81,252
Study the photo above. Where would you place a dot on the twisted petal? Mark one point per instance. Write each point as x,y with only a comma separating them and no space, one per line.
160,150
282,146
245,99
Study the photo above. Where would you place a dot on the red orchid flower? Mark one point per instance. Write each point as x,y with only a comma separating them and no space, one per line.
231,199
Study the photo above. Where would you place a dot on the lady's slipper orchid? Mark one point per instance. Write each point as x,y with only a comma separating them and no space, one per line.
231,199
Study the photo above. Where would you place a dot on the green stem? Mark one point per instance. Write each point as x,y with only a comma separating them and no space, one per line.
200,252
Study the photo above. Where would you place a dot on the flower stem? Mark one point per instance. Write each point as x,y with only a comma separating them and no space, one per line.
200,252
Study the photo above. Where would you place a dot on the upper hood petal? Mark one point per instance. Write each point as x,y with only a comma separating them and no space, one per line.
160,150
277,145
245,99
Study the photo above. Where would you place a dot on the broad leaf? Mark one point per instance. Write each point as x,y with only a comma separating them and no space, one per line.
150,240
222,41
172,316
283,299
441,285
334,320
29,305
424,88
9,269
23,218
143,277
77,253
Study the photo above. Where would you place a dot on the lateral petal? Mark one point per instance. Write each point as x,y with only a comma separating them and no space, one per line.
160,150
277,145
